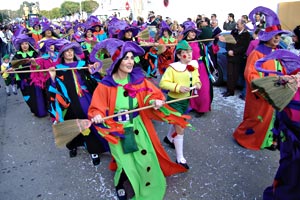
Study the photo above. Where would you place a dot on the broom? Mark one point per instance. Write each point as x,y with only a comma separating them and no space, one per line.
144,34
106,64
276,90
228,38
66,131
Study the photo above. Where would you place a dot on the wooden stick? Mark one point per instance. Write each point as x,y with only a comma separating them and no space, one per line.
174,44
45,70
147,107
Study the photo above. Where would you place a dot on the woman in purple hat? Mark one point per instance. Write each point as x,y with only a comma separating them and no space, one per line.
48,58
286,129
33,95
47,33
167,56
255,131
201,104
142,162
70,94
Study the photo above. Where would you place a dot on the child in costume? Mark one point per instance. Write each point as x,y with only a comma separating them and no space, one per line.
167,56
202,103
142,162
286,183
9,79
180,78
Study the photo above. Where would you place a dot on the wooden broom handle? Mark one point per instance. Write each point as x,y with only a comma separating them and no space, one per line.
147,107
152,44
44,70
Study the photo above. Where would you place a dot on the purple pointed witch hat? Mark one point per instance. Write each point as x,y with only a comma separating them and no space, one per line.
273,26
164,27
115,26
18,40
289,60
58,44
125,27
66,44
190,26
116,49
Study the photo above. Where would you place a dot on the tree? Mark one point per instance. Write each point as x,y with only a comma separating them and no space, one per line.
69,8
89,6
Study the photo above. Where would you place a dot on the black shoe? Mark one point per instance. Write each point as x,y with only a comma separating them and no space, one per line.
167,141
227,94
185,165
273,147
95,159
73,153
242,97
198,115
15,93
8,93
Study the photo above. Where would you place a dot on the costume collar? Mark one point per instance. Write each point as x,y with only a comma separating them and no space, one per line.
178,66
136,77
262,48
166,40
24,54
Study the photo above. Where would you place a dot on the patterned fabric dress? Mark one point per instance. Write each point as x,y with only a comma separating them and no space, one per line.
147,165
32,94
286,183
255,131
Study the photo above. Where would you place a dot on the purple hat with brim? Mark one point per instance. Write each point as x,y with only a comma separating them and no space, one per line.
58,43
117,49
46,27
115,26
70,45
273,26
133,29
289,60
18,40
164,27
190,26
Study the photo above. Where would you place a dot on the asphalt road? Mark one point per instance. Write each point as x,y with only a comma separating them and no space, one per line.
32,167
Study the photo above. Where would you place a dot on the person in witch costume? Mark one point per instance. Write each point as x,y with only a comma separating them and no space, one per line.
178,79
286,129
255,131
49,58
167,56
32,94
142,162
70,94
202,103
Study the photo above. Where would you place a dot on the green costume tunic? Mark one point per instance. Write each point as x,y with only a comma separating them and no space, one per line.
141,167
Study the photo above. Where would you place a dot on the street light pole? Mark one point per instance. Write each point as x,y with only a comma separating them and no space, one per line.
80,9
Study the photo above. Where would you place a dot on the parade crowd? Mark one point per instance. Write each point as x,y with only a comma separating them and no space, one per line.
155,69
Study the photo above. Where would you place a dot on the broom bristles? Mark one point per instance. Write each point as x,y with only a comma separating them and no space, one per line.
144,34
66,131
278,95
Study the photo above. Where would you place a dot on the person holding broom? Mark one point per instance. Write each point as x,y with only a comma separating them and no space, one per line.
70,89
179,79
287,122
32,94
142,162
254,132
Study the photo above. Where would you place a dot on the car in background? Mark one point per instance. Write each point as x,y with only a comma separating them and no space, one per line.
219,72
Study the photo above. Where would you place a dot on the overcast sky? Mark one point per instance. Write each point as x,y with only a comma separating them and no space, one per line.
177,9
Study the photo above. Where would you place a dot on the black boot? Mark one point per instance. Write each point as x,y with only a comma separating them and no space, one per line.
73,152
95,159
